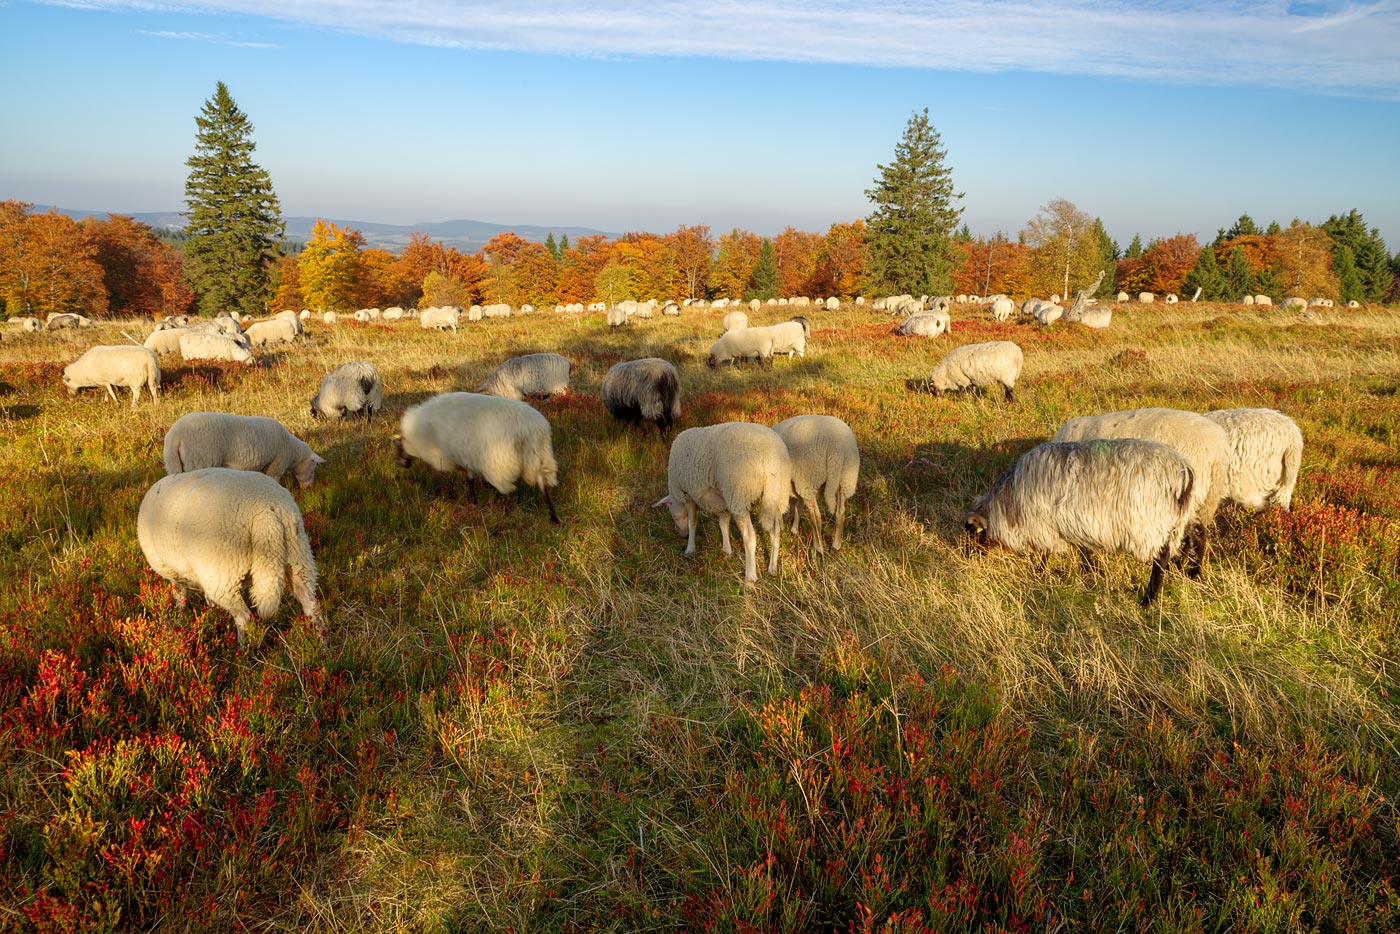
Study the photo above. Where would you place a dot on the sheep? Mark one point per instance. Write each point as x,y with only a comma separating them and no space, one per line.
28,323
350,389
211,529
979,366
304,314
645,310
617,316
727,470
276,331
1121,297
790,337
734,321
1096,317
474,313
501,441
1146,298
496,310
293,318
941,303
1002,309
536,374
165,341
1264,300
239,442
734,346
833,303
671,309
1353,304
930,325
1171,299
1266,450
202,345
1047,313
62,322
1292,302
115,365
440,319
1204,444
648,389
1247,300
1127,495
825,460
393,314
1029,306
329,317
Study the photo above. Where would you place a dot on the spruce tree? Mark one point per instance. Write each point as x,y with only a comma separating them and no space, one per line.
563,244
1134,248
551,246
1238,277
1369,279
910,231
1206,276
234,221
763,283
1108,258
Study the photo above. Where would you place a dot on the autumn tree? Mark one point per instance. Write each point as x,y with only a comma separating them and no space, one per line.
1237,276
693,248
286,284
842,266
1064,246
1166,263
143,275
733,266
534,273
1303,264
48,264
910,230
444,289
234,221
763,281
616,282
332,276
580,266
796,253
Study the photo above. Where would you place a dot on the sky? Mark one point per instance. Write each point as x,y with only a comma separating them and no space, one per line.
1160,117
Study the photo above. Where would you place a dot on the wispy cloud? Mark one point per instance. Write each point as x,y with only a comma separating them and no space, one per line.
204,37
1320,45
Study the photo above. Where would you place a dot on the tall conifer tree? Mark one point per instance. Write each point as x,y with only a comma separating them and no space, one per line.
763,283
910,231
234,221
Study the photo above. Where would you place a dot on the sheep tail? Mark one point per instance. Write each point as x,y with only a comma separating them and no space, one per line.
170,454
273,542
1292,461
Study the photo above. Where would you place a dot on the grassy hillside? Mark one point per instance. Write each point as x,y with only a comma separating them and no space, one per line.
576,727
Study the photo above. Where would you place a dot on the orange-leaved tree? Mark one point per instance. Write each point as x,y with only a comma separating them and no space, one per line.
693,248
48,264
143,275
842,265
733,266
796,252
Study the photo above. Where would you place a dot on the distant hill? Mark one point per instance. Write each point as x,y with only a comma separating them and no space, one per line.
466,235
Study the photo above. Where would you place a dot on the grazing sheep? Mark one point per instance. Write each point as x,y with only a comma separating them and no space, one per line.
671,309
28,323
1122,495
1047,313
1266,450
276,331
734,346
929,325
1096,317
119,365
166,340
329,317
440,319
62,322
1293,302
496,310
474,313
350,389
1002,309
734,321
790,337
501,441
1121,297
980,366
203,345
617,316
1171,299
239,442
1247,300
826,461
1353,304
393,314
648,389
293,318
212,529
727,470
1146,298
1264,300
1029,306
536,374
1204,444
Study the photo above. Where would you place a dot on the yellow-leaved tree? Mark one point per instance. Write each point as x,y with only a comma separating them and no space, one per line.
332,275
1303,263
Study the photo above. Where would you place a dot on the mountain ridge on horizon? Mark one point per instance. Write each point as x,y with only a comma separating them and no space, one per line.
464,234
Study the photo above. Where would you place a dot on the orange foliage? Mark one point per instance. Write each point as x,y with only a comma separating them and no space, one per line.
287,274
580,266
48,264
796,252
1259,249
143,276
534,276
1165,264
991,267
733,267
692,248
842,265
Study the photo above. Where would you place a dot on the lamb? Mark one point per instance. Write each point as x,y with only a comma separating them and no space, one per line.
734,321
1266,450
790,337
276,331
648,389
115,365
734,346
1204,444
1002,309
501,441
536,374
980,366
211,529
929,325
825,460
202,345
350,389
239,442
440,319
727,470
1126,495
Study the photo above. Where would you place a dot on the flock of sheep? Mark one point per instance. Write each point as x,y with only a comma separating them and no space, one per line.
1145,482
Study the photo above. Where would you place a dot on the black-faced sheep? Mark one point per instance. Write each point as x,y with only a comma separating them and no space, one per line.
350,389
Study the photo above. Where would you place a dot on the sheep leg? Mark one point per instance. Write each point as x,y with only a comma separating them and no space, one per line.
724,533
553,516
814,519
135,394
112,394
231,602
795,510
1154,583
840,522
1010,394
750,537
690,523
181,594
305,592
1198,553
775,535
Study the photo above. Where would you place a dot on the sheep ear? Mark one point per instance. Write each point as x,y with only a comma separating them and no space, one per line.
664,501
316,458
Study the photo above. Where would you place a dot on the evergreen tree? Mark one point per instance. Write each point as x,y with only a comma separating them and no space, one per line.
551,246
1109,255
763,284
1134,250
234,220
910,230
1206,276
1369,279
964,234
1238,277
1348,276
1273,229
563,244
1244,227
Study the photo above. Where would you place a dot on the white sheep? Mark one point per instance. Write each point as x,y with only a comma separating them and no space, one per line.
1293,302
734,321
501,441
1266,450
1264,300
59,322
496,310
1204,444
648,389
329,317
1171,298
535,374
789,337
734,346
239,442
165,340
1121,297
28,323
276,331
927,325
825,462
393,314
1122,495
617,316
1047,313
671,310
1002,309
440,319
1099,316
979,366
726,470
350,389
1247,300
1146,298
204,345
212,529
115,365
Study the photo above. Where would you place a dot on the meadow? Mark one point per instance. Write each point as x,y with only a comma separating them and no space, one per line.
521,726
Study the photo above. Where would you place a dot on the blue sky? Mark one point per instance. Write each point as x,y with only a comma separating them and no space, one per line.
1161,117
